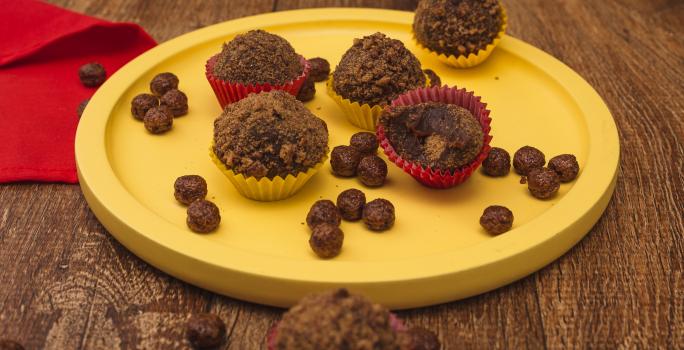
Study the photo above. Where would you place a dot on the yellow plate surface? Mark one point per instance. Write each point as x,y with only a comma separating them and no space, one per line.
435,253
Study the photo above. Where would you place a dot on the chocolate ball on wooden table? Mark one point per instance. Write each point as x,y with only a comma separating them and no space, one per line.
205,331
418,338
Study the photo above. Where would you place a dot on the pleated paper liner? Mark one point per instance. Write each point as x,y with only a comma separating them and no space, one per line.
396,323
228,92
265,189
472,59
440,178
363,116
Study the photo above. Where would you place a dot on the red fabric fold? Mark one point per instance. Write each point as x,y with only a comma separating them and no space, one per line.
42,48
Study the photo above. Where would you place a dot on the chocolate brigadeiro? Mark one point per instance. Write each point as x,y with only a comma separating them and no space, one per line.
269,134
496,219
434,78
457,27
436,135
307,91
418,338
158,120
82,106
336,320
189,188
375,70
527,158
543,183
258,57
205,331
378,214
6,344
320,69
344,160
497,163
143,103
326,240
203,216
163,82
372,171
323,211
176,101
92,74
364,142
566,166
350,203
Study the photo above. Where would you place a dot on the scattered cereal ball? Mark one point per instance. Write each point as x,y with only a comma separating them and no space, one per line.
543,183
434,78
189,188
326,241
344,160
205,331
158,120
526,159
350,204
378,214
163,82
82,106
323,211
372,171
143,103
203,216
566,166
418,338
364,142
176,101
307,91
496,219
320,69
497,163
92,74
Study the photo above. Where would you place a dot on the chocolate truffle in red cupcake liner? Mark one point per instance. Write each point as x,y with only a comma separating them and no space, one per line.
228,92
434,177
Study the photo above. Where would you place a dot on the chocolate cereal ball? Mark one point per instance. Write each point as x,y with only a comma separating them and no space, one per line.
143,103
203,216
163,82
82,106
378,214
543,183
189,188
92,74
364,142
320,69
496,219
326,240
497,163
344,160
205,331
372,171
158,120
433,77
418,338
177,102
350,204
526,159
307,91
323,211
566,166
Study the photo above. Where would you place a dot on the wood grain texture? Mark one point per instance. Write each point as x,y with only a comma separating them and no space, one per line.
65,283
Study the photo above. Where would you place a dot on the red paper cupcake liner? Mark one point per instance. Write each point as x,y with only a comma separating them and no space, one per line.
395,322
228,92
440,178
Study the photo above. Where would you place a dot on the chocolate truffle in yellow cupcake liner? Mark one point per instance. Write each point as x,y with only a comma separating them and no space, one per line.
460,33
372,73
269,145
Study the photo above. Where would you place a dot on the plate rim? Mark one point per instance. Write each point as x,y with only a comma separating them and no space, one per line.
129,221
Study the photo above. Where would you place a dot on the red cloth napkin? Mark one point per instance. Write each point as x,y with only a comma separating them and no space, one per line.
42,47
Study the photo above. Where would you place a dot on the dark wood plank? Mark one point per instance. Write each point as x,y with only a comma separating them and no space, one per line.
67,284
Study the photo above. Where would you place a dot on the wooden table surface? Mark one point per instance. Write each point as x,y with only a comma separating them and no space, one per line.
65,283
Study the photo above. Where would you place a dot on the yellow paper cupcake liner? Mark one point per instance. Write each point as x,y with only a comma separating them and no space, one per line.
364,116
472,59
265,189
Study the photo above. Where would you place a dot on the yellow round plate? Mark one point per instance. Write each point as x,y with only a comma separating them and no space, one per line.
436,252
